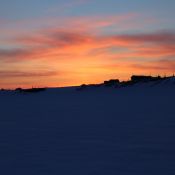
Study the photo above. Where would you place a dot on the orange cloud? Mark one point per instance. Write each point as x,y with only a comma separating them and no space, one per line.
85,57
65,43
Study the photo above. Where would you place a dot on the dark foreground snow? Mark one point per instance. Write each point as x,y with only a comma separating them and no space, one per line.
98,131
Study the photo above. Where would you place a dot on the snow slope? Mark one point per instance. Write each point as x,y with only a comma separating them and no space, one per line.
96,131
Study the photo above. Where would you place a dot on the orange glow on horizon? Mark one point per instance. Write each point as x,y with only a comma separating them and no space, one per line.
59,57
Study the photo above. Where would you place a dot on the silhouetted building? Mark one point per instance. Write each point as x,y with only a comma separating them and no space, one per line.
113,82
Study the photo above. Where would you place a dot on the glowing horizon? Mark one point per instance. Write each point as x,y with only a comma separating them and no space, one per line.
67,43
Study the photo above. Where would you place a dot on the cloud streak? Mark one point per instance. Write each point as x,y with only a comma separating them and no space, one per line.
17,74
163,65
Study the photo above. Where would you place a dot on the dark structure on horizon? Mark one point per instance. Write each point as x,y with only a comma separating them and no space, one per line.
142,78
134,80
109,83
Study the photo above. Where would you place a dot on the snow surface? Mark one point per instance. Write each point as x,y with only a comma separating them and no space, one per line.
96,131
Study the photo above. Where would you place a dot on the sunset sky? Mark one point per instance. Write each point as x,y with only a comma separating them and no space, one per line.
70,42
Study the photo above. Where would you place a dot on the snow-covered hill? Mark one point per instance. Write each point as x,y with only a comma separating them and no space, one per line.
95,131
